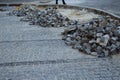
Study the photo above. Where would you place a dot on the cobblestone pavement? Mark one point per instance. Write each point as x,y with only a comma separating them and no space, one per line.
75,69
36,53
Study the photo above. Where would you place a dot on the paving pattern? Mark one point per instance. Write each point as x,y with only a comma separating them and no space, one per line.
75,69
37,53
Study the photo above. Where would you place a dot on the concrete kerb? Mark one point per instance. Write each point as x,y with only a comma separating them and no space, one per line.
45,1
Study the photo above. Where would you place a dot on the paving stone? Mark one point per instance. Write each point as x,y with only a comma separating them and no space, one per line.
103,69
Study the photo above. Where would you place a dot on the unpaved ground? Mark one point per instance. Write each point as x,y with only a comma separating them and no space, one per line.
81,15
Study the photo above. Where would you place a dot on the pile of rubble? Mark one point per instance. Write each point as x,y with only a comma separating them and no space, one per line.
100,37
49,17
23,10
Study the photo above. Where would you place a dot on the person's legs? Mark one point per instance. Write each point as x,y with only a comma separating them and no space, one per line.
63,2
56,1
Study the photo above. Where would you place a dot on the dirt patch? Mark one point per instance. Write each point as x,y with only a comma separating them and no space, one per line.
81,15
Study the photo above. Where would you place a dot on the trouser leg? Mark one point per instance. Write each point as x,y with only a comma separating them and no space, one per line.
56,1
63,1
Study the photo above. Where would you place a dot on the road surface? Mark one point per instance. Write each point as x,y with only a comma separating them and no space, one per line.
37,53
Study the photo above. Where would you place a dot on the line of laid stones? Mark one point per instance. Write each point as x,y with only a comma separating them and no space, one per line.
49,62
99,37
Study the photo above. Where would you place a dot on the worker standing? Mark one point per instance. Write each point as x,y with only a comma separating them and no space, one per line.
62,1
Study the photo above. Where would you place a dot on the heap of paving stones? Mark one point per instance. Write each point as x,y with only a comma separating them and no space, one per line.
50,17
23,10
99,37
